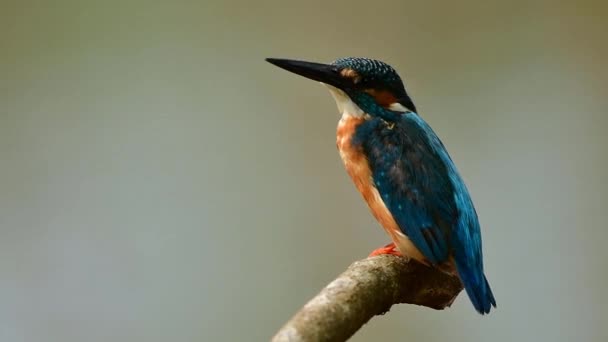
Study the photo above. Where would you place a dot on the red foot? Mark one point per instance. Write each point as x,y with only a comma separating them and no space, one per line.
388,249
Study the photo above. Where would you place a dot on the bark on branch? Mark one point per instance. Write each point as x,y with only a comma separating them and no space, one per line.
367,288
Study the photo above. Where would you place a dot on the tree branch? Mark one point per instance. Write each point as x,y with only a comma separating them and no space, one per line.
367,288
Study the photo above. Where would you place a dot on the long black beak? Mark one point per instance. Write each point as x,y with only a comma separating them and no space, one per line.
325,73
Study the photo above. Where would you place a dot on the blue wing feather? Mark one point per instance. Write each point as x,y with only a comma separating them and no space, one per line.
422,189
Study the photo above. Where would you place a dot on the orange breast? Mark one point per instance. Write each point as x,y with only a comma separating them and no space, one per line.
359,171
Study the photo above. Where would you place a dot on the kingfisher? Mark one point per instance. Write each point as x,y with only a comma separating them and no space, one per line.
403,170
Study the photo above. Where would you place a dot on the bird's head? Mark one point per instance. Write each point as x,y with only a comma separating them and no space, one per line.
359,85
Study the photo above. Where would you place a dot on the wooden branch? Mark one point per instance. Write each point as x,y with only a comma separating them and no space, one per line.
367,288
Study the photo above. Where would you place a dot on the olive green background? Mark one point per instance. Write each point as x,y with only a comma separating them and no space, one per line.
160,182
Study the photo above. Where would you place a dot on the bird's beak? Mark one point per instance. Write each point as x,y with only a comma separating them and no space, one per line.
325,73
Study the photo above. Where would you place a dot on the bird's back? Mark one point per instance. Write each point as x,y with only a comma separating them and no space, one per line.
414,190
358,168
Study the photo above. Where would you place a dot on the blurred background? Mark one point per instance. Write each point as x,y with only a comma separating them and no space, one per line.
160,182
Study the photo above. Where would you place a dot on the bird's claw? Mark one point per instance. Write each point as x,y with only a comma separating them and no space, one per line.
388,249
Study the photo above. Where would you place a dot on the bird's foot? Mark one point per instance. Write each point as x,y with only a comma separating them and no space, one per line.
388,249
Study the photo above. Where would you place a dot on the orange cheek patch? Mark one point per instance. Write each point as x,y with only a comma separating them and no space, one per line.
351,74
383,97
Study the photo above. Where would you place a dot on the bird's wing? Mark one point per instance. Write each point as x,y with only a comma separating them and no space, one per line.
420,186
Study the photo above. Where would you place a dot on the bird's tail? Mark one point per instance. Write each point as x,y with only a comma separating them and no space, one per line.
477,287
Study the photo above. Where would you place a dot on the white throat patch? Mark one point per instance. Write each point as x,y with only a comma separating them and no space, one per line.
346,106
398,107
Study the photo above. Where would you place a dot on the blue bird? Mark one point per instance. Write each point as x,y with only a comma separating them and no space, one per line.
402,170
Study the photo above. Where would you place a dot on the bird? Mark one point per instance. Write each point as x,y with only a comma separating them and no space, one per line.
402,170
